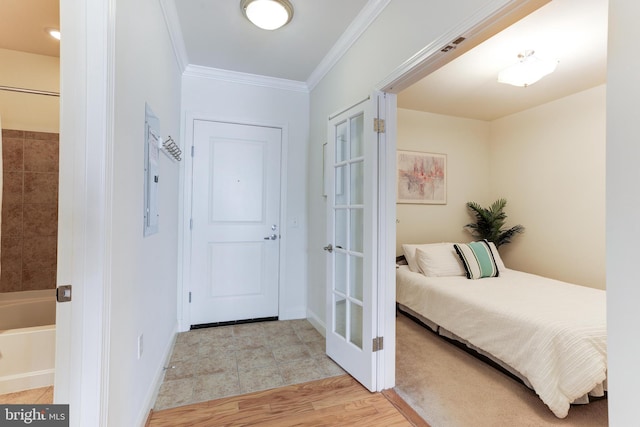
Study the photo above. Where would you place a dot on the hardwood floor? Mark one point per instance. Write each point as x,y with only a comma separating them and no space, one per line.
336,401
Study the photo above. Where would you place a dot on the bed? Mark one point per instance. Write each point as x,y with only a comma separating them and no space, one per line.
550,334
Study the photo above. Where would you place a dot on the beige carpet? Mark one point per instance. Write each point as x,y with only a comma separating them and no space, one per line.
450,388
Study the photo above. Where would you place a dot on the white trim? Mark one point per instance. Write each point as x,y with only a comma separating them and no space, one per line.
244,78
476,29
184,318
365,18
156,383
98,172
175,33
88,68
26,380
387,242
317,323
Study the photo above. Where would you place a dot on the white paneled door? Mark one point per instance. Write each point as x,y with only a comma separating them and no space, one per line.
236,222
352,241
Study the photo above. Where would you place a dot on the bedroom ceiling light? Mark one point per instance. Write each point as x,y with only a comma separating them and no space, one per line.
53,32
527,71
267,14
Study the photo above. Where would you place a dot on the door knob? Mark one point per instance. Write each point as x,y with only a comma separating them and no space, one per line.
272,237
328,248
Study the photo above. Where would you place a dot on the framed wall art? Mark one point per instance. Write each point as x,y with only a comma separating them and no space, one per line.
422,177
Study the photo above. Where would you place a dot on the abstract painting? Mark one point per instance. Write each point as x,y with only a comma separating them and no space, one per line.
422,177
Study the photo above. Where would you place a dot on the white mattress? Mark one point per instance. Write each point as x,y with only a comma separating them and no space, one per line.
553,333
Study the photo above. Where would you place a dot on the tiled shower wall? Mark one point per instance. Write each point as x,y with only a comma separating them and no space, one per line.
29,210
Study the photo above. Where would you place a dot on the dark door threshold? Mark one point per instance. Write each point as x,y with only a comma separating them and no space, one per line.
233,322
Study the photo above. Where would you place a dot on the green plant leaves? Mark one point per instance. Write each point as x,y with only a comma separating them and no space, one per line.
490,222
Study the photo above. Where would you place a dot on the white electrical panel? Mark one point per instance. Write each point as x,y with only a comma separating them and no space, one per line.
152,143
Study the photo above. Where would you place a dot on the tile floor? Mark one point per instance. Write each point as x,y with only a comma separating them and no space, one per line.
224,361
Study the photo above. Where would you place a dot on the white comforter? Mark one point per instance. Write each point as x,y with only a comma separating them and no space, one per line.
552,332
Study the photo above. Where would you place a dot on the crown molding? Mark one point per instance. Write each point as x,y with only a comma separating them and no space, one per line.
245,78
365,18
175,33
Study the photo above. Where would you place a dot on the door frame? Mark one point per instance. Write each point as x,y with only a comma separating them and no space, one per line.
186,198
85,207
490,19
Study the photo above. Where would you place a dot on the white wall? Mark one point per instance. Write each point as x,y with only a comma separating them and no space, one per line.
216,99
399,32
549,163
466,144
623,203
23,111
144,270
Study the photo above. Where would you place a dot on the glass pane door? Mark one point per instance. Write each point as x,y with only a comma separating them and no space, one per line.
351,233
348,232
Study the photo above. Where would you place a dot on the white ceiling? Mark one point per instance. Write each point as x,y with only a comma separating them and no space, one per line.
572,31
215,34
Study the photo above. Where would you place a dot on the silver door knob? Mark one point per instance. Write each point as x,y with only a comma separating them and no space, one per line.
272,237
328,248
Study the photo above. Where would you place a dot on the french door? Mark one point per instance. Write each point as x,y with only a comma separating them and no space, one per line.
350,168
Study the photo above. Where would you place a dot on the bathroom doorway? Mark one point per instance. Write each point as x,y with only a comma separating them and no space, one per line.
30,114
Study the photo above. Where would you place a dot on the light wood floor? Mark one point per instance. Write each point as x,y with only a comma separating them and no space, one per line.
337,401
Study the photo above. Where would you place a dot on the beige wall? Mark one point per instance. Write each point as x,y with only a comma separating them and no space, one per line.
549,163
466,144
22,111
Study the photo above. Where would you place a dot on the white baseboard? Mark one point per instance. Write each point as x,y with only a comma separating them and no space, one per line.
316,322
26,381
157,380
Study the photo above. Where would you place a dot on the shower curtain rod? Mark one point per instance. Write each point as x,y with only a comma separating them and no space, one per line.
32,91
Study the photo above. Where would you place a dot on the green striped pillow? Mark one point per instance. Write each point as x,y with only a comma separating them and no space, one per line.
477,259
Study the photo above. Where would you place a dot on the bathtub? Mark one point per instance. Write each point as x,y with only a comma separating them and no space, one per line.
27,340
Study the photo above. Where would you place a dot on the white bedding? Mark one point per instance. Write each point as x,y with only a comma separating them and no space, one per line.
552,333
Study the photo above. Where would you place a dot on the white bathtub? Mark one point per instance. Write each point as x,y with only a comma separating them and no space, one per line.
27,340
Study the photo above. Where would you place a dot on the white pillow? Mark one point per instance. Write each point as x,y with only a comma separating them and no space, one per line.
496,256
439,261
410,254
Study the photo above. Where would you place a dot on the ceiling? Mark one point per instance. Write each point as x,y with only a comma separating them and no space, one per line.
23,24
572,31
215,34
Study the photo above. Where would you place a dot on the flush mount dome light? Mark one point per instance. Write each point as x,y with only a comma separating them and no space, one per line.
267,14
53,32
528,70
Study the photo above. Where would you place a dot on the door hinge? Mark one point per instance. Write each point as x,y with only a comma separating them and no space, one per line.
378,344
191,224
193,149
378,125
189,297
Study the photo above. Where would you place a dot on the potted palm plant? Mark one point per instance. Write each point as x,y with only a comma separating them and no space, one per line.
490,222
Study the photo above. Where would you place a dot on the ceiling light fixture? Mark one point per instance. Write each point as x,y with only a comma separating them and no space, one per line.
527,71
267,14
53,33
